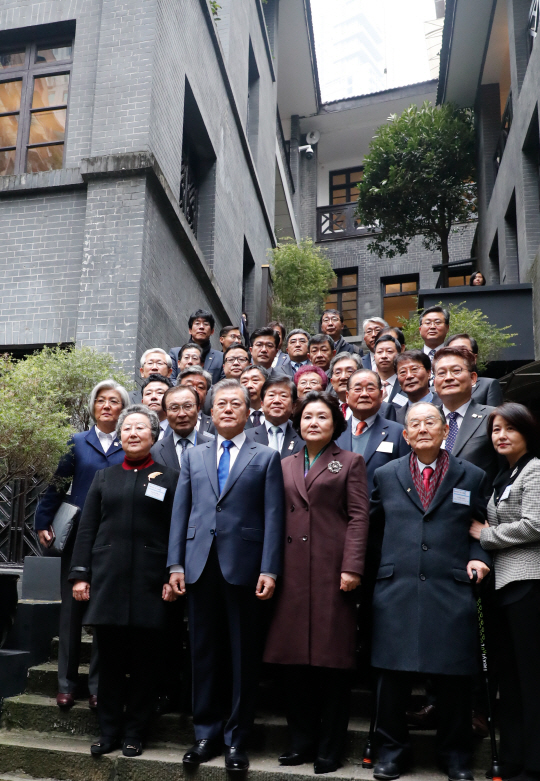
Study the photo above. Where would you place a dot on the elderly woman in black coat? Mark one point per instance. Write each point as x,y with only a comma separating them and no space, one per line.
119,566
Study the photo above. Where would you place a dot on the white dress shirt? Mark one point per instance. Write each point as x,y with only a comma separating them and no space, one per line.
251,411
105,439
163,426
422,466
192,441
390,387
461,411
368,421
427,349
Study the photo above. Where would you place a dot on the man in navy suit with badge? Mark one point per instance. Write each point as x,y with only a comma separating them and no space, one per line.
225,552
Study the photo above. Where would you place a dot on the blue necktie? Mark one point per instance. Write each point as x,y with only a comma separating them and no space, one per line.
452,432
224,464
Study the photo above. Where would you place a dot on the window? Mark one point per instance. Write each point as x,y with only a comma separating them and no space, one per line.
34,96
399,297
344,297
459,280
343,185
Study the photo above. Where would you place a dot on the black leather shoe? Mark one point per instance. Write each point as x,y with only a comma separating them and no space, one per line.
202,751
236,758
104,746
325,765
386,771
425,718
132,747
295,758
460,774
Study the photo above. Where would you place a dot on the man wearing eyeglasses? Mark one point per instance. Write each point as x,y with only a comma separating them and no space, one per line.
235,359
153,361
332,324
434,326
297,350
180,404
372,329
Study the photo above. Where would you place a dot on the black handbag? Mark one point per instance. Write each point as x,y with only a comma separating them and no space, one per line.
63,524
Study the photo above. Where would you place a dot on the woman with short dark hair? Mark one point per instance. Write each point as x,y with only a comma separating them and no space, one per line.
512,532
119,567
477,279
313,631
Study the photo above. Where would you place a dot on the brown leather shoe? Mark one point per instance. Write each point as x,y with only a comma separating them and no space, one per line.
425,718
65,700
92,701
479,725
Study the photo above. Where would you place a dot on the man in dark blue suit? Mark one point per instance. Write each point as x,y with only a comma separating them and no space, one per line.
368,433
201,327
181,406
278,395
225,551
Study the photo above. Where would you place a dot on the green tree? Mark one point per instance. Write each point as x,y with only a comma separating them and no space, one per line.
419,180
43,400
491,339
302,275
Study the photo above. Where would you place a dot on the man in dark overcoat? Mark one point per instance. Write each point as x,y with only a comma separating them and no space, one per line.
424,611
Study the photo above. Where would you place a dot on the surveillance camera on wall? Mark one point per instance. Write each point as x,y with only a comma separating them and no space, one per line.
308,151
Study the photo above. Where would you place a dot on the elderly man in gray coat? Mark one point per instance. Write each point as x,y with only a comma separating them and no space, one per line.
424,613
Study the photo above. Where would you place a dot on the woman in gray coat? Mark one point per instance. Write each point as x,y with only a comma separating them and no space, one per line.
513,534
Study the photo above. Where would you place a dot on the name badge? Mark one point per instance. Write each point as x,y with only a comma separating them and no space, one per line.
156,491
461,497
506,493
400,399
385,447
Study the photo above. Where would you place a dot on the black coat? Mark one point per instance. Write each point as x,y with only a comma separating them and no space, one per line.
424,611
121,546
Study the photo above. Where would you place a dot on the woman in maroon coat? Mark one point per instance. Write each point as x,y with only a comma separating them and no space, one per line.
314,625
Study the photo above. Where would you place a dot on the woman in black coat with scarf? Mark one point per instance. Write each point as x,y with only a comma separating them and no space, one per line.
119,566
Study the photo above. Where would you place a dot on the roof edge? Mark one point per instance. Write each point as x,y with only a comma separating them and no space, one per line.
444,62
313,55
391,91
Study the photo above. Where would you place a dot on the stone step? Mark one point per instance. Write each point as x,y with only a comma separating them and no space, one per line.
69,759
86,648
43,679
40,714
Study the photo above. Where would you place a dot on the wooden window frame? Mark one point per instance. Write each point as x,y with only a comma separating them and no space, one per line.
340,289
398,279
347,186
26,73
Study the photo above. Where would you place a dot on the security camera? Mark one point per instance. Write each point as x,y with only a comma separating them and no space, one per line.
308,150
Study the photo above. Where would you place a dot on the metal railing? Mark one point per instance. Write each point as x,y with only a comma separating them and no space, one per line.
18,502
340,222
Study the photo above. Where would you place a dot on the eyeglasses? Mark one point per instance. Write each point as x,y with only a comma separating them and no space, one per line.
415,424
268,345
372,331
346,372
410,370
237,360
138,427
300,341
438,323
188,407
367,388
155,363
454,371
113,402
330,319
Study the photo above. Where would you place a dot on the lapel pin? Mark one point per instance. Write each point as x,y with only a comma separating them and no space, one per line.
474,415
335,467
117,443
154,474
291,445
408,490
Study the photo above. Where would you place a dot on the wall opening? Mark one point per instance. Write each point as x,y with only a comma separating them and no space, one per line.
511,266
252,124
248,286
494,267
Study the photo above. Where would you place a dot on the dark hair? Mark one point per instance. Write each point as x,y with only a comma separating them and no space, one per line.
400,336
281,379
335,311
156,378
309,368
297,331
365,371
436,310
521,419
236,347
474,343
457,352
255,366
266,330
331,402
228,328
418,356
275,324
320,338
388,338
474,275
189,346
204,315
176,389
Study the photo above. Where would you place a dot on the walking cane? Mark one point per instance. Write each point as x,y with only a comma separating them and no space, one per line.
495,766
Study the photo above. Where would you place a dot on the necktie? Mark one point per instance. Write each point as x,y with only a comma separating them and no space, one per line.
273,438
385,386
256,417
426,476
453,430
432,354
360,428
344,408
183,444
224,464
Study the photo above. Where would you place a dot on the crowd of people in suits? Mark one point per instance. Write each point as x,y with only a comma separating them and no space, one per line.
296,493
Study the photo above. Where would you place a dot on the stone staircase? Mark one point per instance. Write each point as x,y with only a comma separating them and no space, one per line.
39,741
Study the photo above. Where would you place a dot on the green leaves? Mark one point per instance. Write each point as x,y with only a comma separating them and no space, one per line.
302,275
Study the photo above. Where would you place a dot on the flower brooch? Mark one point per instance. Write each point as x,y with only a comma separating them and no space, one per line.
335,467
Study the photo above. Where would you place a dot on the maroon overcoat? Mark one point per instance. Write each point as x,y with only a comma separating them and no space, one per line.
326,534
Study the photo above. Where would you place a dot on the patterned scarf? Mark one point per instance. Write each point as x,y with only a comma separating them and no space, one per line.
426,497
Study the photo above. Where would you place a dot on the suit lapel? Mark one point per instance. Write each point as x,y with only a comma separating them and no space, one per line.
210,462
455,471
93,440
403,471
330,454
377,435
469,424
261,434
290,437
298,474
169,451
247,451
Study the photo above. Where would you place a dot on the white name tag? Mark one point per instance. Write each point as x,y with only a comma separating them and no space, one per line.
400,399
461,497
156,491
506,493
385,447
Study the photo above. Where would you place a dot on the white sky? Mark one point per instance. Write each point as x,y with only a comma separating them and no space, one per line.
403,52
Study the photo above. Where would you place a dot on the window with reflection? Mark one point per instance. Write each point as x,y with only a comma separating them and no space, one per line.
343,185
34,94
399,297
343,296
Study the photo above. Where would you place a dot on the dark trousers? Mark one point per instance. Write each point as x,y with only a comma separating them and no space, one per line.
519,680
123,650
71,622
224,628
454,737
317,701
